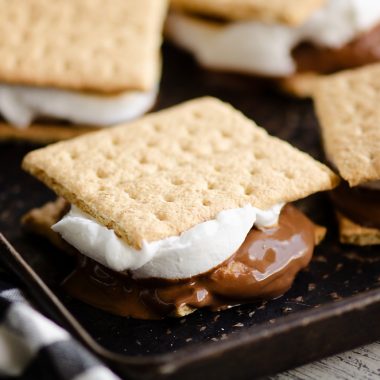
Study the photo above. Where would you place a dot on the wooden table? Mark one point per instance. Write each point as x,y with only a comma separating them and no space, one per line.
361,363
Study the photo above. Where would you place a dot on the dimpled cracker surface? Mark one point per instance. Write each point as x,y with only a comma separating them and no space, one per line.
347,105
292,12
97,45
163,174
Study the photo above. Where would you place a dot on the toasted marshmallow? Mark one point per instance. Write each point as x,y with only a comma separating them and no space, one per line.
266,49
20,105
195,251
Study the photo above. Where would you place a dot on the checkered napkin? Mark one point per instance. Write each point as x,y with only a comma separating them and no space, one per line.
33,347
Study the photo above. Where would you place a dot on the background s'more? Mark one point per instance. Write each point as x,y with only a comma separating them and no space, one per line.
295,40
347,105
185,208
67,65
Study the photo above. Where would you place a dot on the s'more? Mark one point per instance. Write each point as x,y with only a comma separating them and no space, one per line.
291,40
185,208
70,66
347,105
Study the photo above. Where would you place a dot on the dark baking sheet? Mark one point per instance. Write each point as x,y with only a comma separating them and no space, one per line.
320,315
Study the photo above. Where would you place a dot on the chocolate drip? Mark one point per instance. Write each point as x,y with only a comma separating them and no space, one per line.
264,267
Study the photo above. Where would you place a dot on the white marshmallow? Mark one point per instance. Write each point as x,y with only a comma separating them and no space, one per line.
20,105
265,49
195,251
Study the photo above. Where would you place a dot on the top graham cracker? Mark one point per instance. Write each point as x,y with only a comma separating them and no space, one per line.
161,175
89,45
347,105
290,12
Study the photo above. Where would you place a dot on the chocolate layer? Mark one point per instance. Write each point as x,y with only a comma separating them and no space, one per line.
362,51
263,267
360,204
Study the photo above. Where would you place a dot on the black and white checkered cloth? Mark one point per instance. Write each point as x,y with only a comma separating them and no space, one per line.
33,347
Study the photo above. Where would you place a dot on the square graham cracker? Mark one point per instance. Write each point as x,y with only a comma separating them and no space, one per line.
352,233
161,175
95,45
347,106
290,12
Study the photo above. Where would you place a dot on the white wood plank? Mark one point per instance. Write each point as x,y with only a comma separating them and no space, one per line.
361,363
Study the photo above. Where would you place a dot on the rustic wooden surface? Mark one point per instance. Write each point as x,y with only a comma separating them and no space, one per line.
361,363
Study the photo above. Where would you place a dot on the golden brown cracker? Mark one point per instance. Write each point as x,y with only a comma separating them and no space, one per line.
291,12
300,85
98,45
352,233
347,105
42,133
163,174
39,221
320,233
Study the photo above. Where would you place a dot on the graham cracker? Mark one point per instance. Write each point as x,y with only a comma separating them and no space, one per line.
300,85
97,45
161,175
352,233
319,234
290,12
39,221
42,133
347,105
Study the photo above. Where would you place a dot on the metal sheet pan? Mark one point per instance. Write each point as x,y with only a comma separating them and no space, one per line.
334,305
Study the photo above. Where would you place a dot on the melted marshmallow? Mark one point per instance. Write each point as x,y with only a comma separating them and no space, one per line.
195,251
262,48
20,105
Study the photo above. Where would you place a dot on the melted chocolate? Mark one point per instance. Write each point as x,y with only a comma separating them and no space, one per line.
264,267
361,205
363,50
